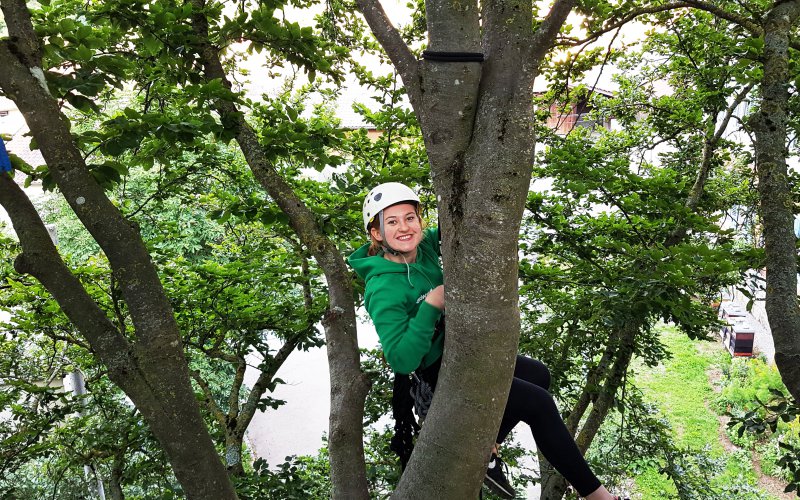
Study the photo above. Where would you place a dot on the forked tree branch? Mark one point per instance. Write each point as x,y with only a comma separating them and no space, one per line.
40,259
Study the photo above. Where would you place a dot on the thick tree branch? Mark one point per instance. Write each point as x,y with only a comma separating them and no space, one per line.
24,41
753,27
546,33
392,42
41,260
349,386
615,24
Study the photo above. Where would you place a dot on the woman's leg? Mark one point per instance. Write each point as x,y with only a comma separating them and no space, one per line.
533,371
532,404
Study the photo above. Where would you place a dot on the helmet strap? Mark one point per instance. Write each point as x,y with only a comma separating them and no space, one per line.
385,245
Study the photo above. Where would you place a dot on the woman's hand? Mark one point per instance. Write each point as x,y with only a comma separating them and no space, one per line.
436,297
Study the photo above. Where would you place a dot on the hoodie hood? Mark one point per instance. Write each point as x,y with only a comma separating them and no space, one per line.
369,266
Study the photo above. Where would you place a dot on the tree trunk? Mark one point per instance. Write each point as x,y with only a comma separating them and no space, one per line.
349,385
770,126
476,121
149,373
152,369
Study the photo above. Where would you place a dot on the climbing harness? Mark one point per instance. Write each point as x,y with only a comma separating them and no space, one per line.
412,392
422,394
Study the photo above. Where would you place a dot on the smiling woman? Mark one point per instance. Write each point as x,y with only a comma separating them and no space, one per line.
404,296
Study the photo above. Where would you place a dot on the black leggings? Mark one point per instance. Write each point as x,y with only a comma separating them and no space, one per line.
529,402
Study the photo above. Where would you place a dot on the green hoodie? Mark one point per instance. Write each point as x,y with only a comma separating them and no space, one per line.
395,300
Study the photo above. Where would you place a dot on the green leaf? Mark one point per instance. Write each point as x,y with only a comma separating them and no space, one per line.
82,103
83,53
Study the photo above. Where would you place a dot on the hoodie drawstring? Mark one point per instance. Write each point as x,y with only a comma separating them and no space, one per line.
408,271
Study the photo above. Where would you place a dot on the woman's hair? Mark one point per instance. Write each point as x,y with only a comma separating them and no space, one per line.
375,246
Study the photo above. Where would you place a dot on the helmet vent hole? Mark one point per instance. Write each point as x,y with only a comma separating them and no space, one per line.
378,197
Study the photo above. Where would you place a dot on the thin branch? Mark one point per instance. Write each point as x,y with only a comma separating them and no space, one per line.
209,401
625,20
614,201
696,193
214,352
609,51
69,340
53,373
264,379
753,27
740,97
158,192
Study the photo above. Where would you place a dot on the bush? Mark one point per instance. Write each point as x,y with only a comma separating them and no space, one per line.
295,479
746,382
756,399
770,453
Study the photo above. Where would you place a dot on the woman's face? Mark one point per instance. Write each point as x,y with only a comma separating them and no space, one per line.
401,227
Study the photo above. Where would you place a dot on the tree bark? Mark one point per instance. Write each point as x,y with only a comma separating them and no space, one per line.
476,123
770,126
349,385
152,369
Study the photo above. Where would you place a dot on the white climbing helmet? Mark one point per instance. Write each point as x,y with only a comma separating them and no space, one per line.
385,195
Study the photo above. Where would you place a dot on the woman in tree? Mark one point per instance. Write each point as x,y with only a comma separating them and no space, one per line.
405,298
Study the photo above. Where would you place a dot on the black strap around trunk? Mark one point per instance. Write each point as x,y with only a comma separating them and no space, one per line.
430,55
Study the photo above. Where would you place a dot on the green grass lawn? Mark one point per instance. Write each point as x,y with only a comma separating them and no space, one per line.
680,388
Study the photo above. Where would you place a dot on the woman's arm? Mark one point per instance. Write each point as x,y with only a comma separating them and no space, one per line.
405,339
